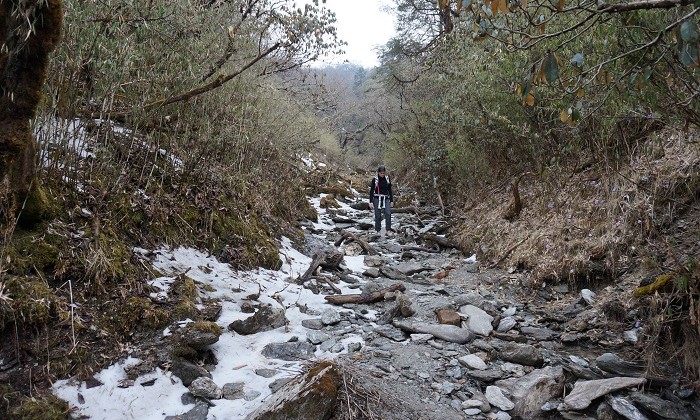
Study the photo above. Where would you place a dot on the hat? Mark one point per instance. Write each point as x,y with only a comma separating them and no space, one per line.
381,168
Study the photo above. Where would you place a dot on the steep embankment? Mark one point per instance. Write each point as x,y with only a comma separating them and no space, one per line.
628,222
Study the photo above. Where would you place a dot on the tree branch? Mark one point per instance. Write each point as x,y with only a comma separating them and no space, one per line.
642,5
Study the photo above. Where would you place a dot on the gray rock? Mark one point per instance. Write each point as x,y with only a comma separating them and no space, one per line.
330,317
196,337
472,411
265,319
266,373
585,392
530,392
312,324
495,397
660,407
523,354
199,412
471,298
309,396
374,261
473,361
205,388
538,333
445,332
317,337
510,311
392,273
328,344
588,296
233,390
371,272
188,371
251,395
354,346
630,336
289,351
390,332
625,408
478,321
277,384
610,362
506,324
487,375
411,268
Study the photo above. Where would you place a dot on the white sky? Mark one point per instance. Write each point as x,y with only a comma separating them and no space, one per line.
363,25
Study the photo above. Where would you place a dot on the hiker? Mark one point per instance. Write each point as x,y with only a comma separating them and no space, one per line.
380,199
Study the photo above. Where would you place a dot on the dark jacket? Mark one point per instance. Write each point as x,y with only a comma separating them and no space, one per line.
380,185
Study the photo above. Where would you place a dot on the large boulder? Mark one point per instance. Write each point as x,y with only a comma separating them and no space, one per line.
532,391
309,396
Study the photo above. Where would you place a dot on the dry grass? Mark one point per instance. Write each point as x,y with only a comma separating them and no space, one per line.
358,400
593,224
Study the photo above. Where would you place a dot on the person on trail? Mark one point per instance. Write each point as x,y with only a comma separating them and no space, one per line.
380,199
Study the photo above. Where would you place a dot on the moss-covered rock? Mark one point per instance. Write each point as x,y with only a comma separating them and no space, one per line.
48,407
30,302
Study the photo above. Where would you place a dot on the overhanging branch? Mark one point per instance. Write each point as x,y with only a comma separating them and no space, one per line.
642,5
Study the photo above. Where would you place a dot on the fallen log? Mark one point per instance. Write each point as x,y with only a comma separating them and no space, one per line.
345,235
435,250
327,260
439,240
365,297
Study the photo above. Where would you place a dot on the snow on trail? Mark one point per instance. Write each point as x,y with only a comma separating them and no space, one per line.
238,355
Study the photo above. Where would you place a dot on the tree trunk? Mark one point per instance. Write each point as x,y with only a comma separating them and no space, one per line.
29,31
365,297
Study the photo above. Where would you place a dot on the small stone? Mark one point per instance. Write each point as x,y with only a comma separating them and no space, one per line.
445,316
312,324
472,411
473,361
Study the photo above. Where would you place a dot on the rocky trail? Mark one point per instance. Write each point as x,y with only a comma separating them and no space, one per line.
414,329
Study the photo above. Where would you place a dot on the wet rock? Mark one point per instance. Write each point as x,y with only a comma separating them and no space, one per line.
478,321
524,354
291,351
530,392
449,333
309,396
265,319
206,388
585,392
